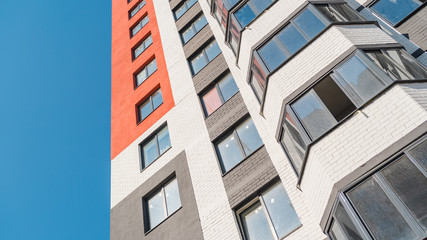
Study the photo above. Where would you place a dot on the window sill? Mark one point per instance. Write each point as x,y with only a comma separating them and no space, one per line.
160,223
243,160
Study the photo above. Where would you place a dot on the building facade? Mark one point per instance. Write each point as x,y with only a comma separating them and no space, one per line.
269,119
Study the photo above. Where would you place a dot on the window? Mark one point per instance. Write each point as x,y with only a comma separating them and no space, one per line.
151,104
136,9
250,10
204,57
396,10
294,36
163,203
194,28
149,69
142,46
272,216
154,146
183,8
139,26
219,94
238,144
335,97
389,204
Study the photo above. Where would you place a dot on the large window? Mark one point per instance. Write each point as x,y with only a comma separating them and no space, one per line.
214,97
144,73
136,9
204,57
294,36
163,203
196,25
139,26
142,46
335,97
395,10
183,8
149,105
389,204
238,144
270,217
154,146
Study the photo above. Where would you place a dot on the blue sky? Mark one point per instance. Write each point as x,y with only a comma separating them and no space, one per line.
55,119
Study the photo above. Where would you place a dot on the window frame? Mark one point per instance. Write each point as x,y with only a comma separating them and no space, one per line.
144,68
185,3
202,51
160,188
152,136
257,198
215,84
192,26
138,5
150,100
398,23
137,23
233,131
404,211
143,41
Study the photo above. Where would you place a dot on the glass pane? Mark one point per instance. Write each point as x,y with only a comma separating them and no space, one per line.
157,99
309,23
360,78
139,26
173,202
198,63
347,225
164,140
156,209
336,232
191,3
280,210
387,65
180,11
293,142
379,214
139,50
141,76
145,110
338,12
229,152
148,41
407,62
188,34
150,152
410,185
248,136
316,117
261,5
420,153
245,15
255,223
200,23
272,55
212,51
152,67
211,101
228,87
137,8
291,38
258,88
395,10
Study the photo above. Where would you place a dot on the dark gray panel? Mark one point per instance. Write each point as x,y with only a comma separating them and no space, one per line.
226,116
188,16
209,73
198,41
174,3
249,176
416,28
126,219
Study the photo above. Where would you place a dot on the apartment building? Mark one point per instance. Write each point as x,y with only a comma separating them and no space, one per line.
269,119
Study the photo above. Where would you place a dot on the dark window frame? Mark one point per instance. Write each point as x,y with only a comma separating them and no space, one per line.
148,99
205,56
372,4
145,16
191,25
144,68
184,3
142,41
345,201
138,5
148,139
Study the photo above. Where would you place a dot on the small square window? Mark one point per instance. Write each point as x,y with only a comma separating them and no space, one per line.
149,105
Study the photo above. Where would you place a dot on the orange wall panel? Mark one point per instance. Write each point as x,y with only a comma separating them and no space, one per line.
124,97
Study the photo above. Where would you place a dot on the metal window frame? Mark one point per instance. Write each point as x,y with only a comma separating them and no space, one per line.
193,28
137,7
153,135
143,43
370,6
139,24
